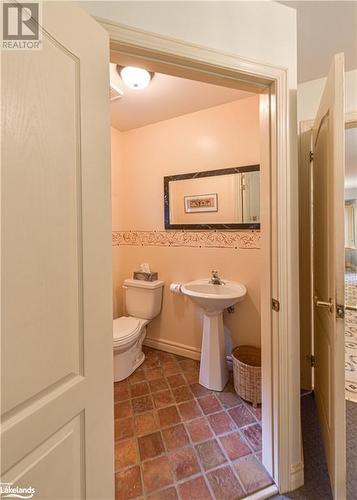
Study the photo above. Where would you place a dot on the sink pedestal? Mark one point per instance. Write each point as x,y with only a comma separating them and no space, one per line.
213,369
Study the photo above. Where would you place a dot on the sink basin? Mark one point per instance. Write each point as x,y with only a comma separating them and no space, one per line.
214,297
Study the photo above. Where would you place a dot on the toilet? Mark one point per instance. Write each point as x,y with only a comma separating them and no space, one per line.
143,301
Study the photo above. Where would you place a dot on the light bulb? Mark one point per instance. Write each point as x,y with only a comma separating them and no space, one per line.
135,78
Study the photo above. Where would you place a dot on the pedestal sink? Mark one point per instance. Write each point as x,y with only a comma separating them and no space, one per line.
213,299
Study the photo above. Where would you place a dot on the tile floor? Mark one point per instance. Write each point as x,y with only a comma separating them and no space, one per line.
351,336
176,439
351,288
351,355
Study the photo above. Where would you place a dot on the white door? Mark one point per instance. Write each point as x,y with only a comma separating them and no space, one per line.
328,273
57,398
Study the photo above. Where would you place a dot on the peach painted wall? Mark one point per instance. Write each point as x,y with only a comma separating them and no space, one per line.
218,137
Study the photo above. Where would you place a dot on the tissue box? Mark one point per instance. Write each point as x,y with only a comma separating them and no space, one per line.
141,275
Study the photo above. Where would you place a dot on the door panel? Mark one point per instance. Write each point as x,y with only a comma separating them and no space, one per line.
328,273
45,281
59,459
57,401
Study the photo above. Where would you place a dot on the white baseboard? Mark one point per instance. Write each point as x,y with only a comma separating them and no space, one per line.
267,492
174,348
180,349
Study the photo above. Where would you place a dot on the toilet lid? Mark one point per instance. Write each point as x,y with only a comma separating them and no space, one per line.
124,328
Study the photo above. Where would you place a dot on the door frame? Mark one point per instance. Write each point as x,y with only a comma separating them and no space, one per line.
282,449
305,230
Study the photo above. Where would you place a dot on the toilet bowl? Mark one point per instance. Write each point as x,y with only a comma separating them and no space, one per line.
128,336
143,302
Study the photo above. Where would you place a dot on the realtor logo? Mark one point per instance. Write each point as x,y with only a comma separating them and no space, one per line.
20,26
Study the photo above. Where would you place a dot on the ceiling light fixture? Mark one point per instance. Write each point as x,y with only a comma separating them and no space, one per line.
135,78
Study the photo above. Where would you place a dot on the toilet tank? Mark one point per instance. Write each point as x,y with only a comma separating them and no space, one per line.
143,299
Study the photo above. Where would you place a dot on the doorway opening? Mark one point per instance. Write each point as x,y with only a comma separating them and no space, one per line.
173,434
351,263
351,302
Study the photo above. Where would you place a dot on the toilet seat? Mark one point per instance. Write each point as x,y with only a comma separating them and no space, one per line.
125,329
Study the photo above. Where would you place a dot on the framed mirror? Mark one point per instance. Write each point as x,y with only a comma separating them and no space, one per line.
228,198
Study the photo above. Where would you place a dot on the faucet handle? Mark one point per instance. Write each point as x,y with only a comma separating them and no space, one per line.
214,273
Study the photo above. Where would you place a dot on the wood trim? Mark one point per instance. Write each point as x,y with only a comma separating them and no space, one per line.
280,351
305,255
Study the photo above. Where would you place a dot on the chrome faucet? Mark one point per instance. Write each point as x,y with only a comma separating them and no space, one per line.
215,279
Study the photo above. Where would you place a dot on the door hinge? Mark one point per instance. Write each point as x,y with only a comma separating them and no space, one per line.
312,360
340,311
311,156
275,304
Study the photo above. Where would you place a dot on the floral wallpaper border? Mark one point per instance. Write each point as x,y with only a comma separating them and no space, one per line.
206,239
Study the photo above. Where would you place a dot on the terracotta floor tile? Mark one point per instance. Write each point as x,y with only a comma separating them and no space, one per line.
189,410
163,398
194,489
189,364
123,409
142,404
168,416
257,412
159,384
123,428
184,463
221,422
210,454
192,377
182,393
140,389
253,435
146,423
229,399
176,380
199,430
159,411
224,484
175,437
166,357
137,376
128,483
209,404
171,368
241,415
157,473
151,362
154,373
150,445
252,474
121,392
234,446
198,390
122,383
166,494
125,453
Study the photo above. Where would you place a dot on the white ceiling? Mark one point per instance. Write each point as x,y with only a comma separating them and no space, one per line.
351,158
167,97
323,29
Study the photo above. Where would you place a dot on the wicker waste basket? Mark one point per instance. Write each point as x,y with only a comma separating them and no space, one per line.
247,373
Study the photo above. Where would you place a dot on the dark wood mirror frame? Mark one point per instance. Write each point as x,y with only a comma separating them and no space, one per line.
196,175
